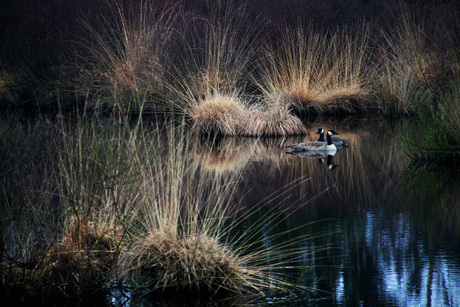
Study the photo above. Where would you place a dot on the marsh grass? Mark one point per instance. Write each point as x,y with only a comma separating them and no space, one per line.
127,52
177,246
219,115
206,84
132,207
215,52
407,66
417,61
320,72
437,141
63,237
83,256
273,117
210,80
181,243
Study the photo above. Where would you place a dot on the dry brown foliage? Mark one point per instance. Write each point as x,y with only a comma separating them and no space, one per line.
165,260
84,255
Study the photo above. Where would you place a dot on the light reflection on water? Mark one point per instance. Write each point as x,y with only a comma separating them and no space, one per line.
411,275
395,231
399,244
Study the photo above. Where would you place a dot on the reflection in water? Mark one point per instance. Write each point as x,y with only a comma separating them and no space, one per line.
383,232
398,230
319,156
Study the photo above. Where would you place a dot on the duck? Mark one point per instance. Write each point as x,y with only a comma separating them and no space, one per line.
316,145
336,140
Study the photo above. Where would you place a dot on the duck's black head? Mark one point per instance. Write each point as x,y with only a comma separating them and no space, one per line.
333,132
320,130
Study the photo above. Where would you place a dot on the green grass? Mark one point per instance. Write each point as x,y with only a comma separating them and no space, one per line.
433,137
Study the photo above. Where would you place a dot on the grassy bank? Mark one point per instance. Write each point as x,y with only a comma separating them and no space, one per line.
432,136
231,70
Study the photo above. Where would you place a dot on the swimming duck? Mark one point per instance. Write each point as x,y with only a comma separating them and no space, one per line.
336,140
316,145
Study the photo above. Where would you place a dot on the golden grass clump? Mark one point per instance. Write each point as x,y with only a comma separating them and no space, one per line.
219,114
178,242
406,66
210,71
84,255
127,56
319,72
228,115
274,118
167,261
417,60
348,99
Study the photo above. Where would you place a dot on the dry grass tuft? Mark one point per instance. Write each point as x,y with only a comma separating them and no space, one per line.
341,100
218,114
164,260
211,68
84,255
406,67
228,115
178,241
320,73
274,118
127,62
417,61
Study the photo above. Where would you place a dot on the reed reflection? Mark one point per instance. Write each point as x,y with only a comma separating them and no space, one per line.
395,243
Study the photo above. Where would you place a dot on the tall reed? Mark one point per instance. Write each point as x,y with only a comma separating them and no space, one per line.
417,60
127,55
128,204
320,73
437,142
403,77
209,78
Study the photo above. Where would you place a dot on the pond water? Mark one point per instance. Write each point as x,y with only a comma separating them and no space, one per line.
393,228
388,231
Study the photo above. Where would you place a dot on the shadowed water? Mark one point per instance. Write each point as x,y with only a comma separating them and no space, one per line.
384,232
393,228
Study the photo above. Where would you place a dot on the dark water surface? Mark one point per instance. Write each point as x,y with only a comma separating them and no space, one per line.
394,228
